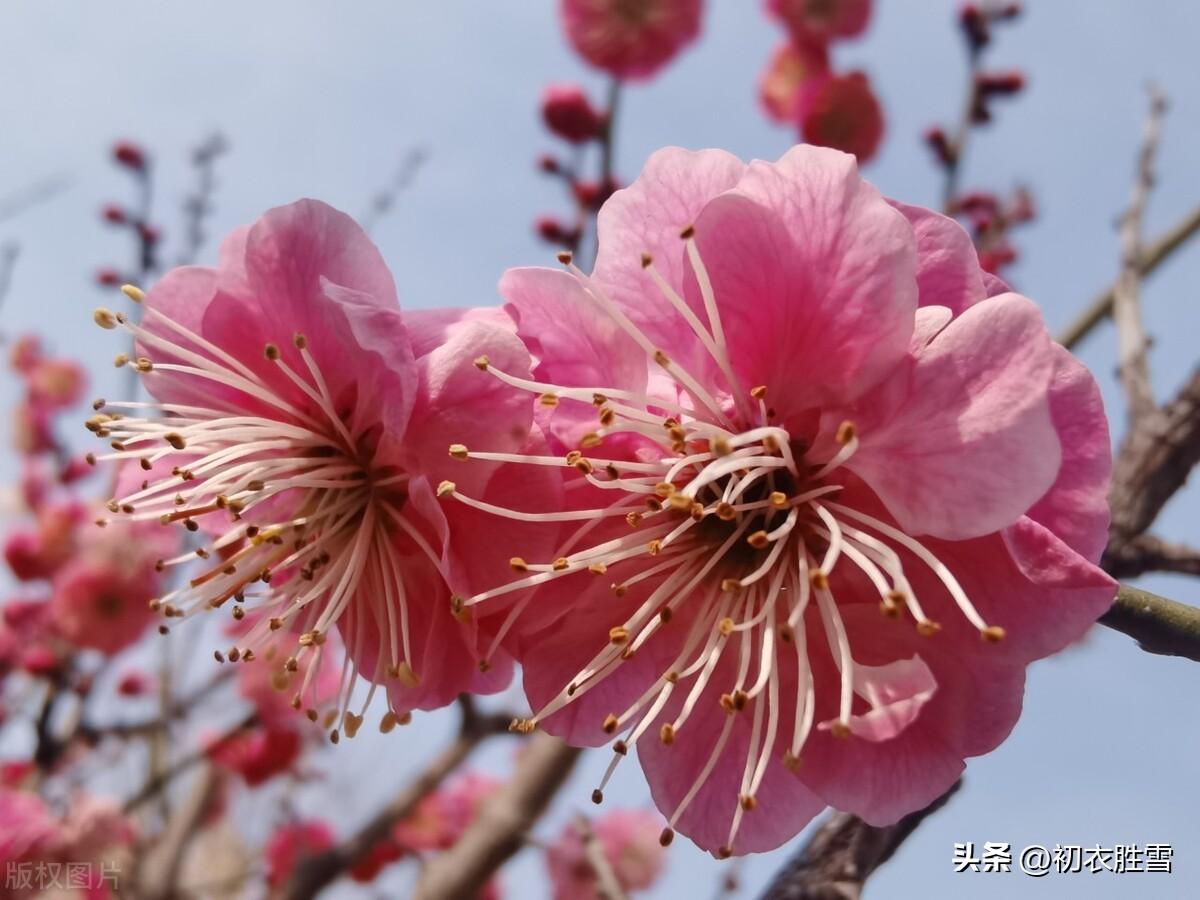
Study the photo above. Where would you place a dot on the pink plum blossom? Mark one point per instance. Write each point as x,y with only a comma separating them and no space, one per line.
629,841
441,817
821,20
790,68
290,843
630,38
297,421
831,490
842,112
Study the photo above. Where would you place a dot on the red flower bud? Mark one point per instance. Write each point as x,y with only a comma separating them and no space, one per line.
974,23
149,233
549,164
936,138
999,83
568,113
114,214
108,276
129,154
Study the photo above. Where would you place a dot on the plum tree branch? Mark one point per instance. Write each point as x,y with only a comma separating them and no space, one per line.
1161,626
319,870
500,829
836,861
1150,259
1132,343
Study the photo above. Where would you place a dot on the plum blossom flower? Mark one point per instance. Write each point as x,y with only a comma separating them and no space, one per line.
630,38
441,817
790,68
831,491
297,418
291,842
821,20
629,840
842,112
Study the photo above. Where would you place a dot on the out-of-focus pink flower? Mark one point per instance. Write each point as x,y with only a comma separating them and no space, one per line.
27,828
26,352
102,607
23,553
630,38
257,754
864,494
569,113
323,417
14,772
130,155
791,66
842,112
629,840
441,817
290,843
94,826
32,429
58,383
821,20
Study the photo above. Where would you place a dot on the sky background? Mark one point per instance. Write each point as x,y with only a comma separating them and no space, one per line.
322,100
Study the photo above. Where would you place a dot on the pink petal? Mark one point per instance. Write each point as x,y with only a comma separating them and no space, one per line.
854,255
895,692
812,328
1076,506
647,217
456,403
948,272
428,329
973,445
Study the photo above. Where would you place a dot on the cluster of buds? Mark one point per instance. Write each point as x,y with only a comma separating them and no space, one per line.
991,218
570,115
132,158
800,88
977,22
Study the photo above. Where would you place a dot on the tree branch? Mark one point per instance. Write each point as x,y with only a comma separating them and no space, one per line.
500,829
607,885
1132,343
1154,461
843,852
317,871
1159,625
1150,259
1147,553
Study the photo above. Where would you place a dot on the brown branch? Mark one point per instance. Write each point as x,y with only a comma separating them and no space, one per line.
1154,461
837,860
1132,343
1147,553
1161,626
501,827
317,871
608,887
1150,259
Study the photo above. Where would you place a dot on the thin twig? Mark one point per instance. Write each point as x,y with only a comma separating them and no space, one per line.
607,885
402,179
316,872
1132,343
16,203
837,860
1151,257
1161,626
198,205
500,829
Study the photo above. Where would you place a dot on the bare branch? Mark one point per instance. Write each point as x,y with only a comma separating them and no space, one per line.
843,852
1147,553
1151,258
1132,343
1159,625
316,872
607,885
1154,461
502,824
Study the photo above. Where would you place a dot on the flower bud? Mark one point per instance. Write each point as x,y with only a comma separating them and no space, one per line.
569,114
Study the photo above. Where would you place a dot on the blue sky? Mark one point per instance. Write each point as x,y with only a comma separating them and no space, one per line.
322,100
